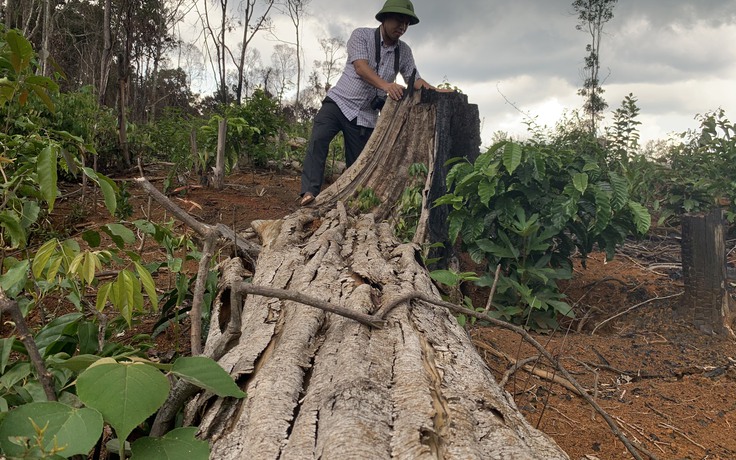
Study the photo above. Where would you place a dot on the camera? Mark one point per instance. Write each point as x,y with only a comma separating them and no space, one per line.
377,102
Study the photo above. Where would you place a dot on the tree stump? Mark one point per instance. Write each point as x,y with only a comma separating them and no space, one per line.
321,385
706,303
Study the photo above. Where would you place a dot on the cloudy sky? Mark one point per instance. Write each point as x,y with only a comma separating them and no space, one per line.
677,57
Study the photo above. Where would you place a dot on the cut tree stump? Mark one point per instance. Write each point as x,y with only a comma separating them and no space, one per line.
706,303
320,385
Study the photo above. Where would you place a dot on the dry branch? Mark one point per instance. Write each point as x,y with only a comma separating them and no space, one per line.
633,308
25,336
247,249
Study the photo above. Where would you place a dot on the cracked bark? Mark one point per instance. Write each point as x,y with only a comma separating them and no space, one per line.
324,386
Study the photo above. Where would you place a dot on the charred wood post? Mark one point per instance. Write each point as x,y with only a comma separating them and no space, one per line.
706,303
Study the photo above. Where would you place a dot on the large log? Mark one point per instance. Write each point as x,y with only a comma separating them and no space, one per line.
320,385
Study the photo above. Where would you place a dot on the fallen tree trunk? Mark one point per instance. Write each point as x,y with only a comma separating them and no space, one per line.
321,385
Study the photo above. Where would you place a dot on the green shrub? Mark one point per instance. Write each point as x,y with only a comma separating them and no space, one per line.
530,208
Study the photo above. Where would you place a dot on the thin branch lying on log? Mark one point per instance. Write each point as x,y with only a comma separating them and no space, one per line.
249,250
25,336
366,320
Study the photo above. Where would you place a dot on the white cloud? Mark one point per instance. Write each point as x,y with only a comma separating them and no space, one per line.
676,57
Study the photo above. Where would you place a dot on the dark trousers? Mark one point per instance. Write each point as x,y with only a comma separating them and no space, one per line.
327,123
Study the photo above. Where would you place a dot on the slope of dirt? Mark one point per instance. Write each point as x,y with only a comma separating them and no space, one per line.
668,386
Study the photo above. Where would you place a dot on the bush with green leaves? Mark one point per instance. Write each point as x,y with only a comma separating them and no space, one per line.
93,391
79,355
250,129
530,208
32,150
697,173
409,207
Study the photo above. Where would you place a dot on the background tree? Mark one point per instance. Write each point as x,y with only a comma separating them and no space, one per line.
296,10
253,69
334,50
218,39
250,28
285,64
624,134
592,16
106,53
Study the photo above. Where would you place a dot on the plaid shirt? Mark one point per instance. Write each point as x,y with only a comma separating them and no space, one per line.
351,93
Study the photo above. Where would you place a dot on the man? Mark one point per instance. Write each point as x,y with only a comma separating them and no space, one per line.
352,105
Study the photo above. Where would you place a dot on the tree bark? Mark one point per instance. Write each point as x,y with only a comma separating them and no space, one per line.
321,385
706,303
218,175
106,60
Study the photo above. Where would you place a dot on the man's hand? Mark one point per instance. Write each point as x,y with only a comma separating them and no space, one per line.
394,90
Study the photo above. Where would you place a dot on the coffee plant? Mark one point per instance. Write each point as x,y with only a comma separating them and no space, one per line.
531,208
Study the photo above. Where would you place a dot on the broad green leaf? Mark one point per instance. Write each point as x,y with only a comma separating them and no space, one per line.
207,374
42,257
603,211
87,335
511,156
90,266
73,430
148,284
497,250
642,219
21,50
109,191
120,234
487,190
10,221
125,295
13,280
619,189
580,181
47,175
92,238
455,224
54,267
103,292
54,331
78,363
15,374
76,263
125,394
446,277
31,210
6,346
177,444
43,94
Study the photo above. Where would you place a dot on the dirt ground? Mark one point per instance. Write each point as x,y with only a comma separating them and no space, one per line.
668,386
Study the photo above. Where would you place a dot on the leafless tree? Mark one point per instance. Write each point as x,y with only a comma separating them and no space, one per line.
284,61
106,60
252,70
334,50
251,26
296,10
218,39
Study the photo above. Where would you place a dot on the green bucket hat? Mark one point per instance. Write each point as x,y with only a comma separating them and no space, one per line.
399,7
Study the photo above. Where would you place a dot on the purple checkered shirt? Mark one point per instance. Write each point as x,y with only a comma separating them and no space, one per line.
351,93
